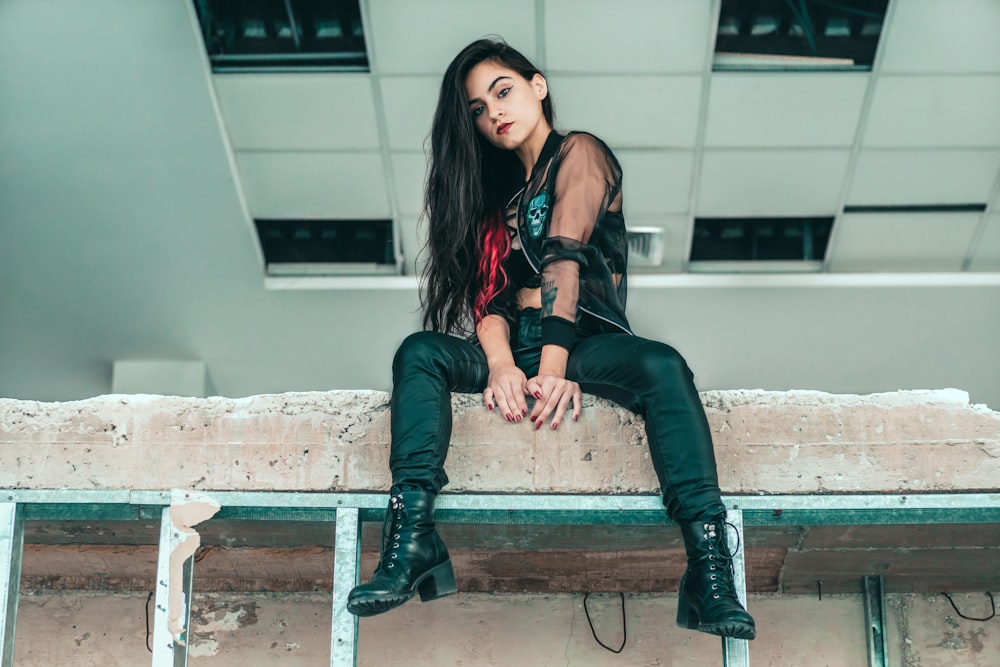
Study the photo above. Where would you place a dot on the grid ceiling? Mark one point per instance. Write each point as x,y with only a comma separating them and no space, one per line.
922,128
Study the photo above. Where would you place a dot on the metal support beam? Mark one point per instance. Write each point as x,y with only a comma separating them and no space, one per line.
11,548
346,561
350,508
736,652
874,593
170,651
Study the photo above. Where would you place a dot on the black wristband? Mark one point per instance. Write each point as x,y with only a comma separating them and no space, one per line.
558,331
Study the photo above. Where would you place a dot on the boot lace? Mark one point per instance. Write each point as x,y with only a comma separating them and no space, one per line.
391,526
719,545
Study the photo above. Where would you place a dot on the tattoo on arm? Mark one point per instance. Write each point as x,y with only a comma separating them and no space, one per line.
549,290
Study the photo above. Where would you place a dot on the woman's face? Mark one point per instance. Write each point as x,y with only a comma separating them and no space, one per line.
506,108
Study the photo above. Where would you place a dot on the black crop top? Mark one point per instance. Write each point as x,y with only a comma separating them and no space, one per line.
519,272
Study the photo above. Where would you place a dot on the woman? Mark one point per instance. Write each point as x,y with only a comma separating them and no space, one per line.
527,244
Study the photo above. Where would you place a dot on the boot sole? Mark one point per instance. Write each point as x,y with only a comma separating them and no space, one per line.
688,618
437,582
730,630
376,605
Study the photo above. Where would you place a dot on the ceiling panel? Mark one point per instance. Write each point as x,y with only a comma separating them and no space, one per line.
801,109
656,182
771,182
630,111
641,36
314,185
298,112
409,37
987,253
918,111
408,172
409,104
676,229
901,242
936,36
924,177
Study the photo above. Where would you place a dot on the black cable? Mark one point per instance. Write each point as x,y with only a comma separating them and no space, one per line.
148,600
594,632
993,604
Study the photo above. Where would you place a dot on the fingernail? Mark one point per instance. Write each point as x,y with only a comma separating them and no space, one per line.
524,412
538,424
555,425
517,418
576,418
489,405
507,417
538,394
532,419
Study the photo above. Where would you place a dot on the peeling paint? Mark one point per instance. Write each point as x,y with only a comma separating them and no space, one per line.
203,648
187,509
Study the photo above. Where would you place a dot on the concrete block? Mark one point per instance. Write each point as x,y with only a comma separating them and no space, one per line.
766,442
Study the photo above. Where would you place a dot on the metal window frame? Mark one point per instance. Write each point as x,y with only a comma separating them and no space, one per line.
348,510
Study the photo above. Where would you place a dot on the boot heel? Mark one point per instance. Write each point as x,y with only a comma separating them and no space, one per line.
439,582
686,616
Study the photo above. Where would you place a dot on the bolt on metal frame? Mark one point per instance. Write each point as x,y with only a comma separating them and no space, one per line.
347,510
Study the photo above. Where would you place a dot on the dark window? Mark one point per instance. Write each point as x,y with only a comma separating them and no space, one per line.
283,35
798,34
330,247
760,239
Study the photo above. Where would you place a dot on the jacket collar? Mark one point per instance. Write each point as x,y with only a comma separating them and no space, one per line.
552,143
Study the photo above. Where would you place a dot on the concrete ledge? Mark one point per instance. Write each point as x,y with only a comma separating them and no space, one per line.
798,442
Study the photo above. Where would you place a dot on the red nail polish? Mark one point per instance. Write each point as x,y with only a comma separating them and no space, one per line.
576,418
510,417
555,425
538,424
538,394
490,407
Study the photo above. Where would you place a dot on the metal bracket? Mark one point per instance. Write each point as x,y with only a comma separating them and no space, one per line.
346,562
170,651
874,594
11,548
736,652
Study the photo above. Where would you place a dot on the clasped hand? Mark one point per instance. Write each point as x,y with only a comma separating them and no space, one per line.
507,388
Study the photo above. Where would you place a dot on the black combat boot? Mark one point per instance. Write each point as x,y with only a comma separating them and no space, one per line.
414,559
707,599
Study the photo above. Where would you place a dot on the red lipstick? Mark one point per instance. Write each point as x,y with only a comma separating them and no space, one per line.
503,127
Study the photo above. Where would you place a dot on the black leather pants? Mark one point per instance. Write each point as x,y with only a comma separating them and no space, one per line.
644,376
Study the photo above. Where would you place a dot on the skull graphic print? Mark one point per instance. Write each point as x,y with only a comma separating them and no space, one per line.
538,212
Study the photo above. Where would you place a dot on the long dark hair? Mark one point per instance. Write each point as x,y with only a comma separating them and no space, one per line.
468,184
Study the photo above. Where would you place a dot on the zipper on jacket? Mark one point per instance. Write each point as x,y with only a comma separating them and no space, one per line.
603,319
527,256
